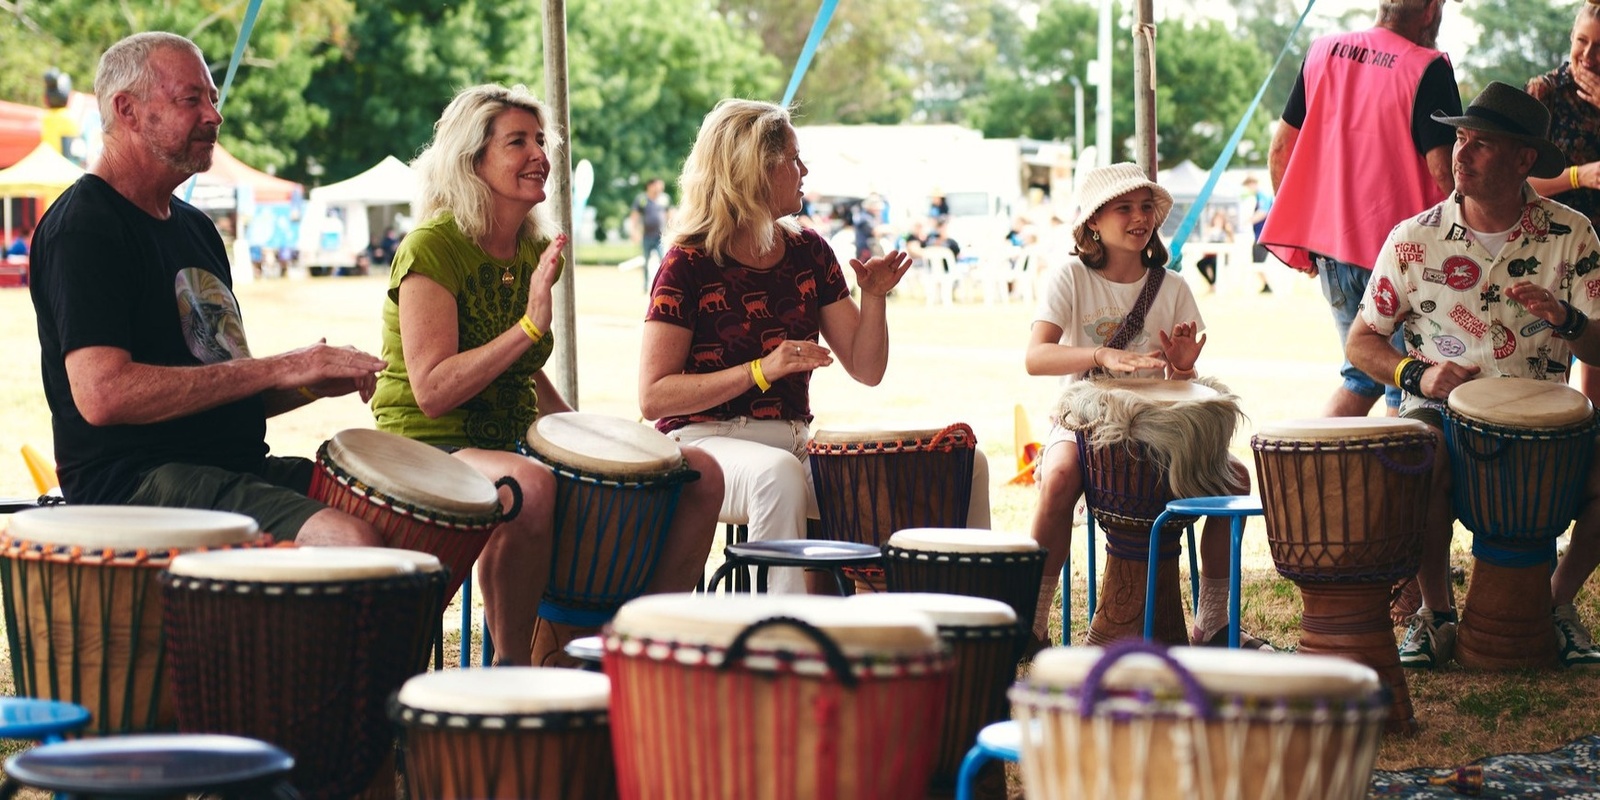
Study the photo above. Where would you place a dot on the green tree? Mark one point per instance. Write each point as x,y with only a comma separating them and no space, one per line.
1195,115
1522,39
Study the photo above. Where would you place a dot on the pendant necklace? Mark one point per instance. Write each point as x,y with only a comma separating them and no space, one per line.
506,278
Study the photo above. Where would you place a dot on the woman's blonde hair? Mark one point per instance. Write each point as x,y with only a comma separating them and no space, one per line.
726,178
446,168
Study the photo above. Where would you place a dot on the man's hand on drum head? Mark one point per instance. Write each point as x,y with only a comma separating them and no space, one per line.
1442,379
1112,360
795,355
541,308
880,273
328,371
1182,348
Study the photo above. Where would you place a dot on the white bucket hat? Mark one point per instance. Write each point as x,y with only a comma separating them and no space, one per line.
1105,184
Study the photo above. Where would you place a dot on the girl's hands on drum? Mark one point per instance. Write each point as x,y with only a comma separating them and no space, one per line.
1113,360
880,273
541,308
1182,348
794,355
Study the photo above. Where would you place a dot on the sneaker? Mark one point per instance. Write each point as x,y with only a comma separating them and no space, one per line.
1577,648
1427,644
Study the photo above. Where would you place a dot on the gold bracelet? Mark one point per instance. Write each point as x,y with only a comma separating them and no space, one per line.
755,372
1401,367
529,328
305,391
1572,175
1095,357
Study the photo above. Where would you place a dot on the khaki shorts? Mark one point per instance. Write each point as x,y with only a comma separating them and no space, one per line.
275,496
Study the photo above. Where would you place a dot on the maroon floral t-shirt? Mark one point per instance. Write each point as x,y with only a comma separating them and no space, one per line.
737,313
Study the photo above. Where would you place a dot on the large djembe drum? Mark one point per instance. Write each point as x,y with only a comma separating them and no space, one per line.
83,608
507,734
1136,721
1346,502
769,697
873,482
978,563
415,495
1143,443
1520,451
617,487
985,642
302,648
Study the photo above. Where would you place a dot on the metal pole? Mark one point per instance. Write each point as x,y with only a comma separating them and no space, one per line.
1077,116
563,367
1102,106
1144,91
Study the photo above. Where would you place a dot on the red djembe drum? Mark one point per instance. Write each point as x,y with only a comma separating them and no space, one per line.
415,495
1346,502
773,697
300,647
871,483
617,487
1136,721
985,642
977,563
507,734
1143,443
83,608
1520,451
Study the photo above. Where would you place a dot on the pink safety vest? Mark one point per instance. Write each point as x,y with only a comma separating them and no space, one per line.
1355,172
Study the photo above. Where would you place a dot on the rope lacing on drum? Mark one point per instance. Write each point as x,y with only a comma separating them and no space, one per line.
778,661
107,556
679,474
569,719
377,497
949,439
985,559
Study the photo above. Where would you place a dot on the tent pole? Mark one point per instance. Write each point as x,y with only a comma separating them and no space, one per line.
1144,93
564,323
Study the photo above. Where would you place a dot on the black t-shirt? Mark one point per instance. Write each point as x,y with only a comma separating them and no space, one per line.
105,273
1436,92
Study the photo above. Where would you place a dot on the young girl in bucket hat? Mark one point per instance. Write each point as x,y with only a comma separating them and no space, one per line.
1117,269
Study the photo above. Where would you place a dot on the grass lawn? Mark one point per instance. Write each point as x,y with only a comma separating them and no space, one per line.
949,363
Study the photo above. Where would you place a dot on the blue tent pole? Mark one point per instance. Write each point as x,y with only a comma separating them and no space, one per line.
824,16
250,14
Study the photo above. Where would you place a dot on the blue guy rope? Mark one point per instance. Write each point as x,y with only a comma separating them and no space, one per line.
250,14
820,25
1186,227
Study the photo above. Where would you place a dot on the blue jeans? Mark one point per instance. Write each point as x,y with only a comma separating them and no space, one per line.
1343,285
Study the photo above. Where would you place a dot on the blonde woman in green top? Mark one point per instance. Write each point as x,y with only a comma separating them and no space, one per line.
466,337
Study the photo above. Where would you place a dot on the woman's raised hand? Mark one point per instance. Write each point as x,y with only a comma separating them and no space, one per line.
541,308
881,273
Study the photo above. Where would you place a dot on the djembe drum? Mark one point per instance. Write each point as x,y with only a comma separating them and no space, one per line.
617,487
985,642
1136,721
977,563
507,734
770,697
871,483
1143,443
1520,451
415,495
1346,502
301,648
83,609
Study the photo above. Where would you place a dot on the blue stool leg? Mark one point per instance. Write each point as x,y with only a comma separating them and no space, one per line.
1194,574
970,766
1153,565
1093,586
466,621
1066,599
488,641
1234,544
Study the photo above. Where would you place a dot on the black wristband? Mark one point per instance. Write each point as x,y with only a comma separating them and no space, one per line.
1573,327
1411,376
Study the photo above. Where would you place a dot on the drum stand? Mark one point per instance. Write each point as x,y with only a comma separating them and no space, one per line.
1505,619
154,765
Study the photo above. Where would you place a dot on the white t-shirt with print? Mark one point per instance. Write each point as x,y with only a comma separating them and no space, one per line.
1089,309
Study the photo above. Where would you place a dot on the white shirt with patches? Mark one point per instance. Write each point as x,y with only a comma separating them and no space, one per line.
1447,293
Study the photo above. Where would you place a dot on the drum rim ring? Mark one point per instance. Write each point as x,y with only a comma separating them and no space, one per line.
378,497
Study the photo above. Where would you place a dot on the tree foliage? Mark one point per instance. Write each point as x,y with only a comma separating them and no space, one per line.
1522,39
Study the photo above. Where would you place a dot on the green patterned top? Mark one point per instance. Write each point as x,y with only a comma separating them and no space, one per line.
487,304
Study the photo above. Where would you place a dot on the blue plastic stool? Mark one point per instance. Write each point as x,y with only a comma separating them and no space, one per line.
154,765
997,741
1236,508
39,720
831,556
1094,587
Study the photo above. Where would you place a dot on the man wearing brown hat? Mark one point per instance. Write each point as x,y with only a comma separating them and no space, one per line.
1495,281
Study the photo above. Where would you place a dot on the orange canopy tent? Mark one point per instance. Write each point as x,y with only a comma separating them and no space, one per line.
20,127
229,171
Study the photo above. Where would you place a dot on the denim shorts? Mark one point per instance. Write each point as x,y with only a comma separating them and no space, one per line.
1343,285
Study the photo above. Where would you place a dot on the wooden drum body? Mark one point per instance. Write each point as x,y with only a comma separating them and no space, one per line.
1143,443
417,496
770,697
83,608
1346,504
1133,721
985,642
977,563
1520,451
300,648
512,733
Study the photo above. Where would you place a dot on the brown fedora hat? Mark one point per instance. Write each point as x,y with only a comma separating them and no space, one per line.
1508,111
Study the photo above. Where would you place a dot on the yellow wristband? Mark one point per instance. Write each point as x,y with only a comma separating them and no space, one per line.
529,328
1572,175
1401,367
305,391
755,372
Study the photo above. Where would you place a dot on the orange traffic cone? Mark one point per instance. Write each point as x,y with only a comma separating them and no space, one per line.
42,471
1028,449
